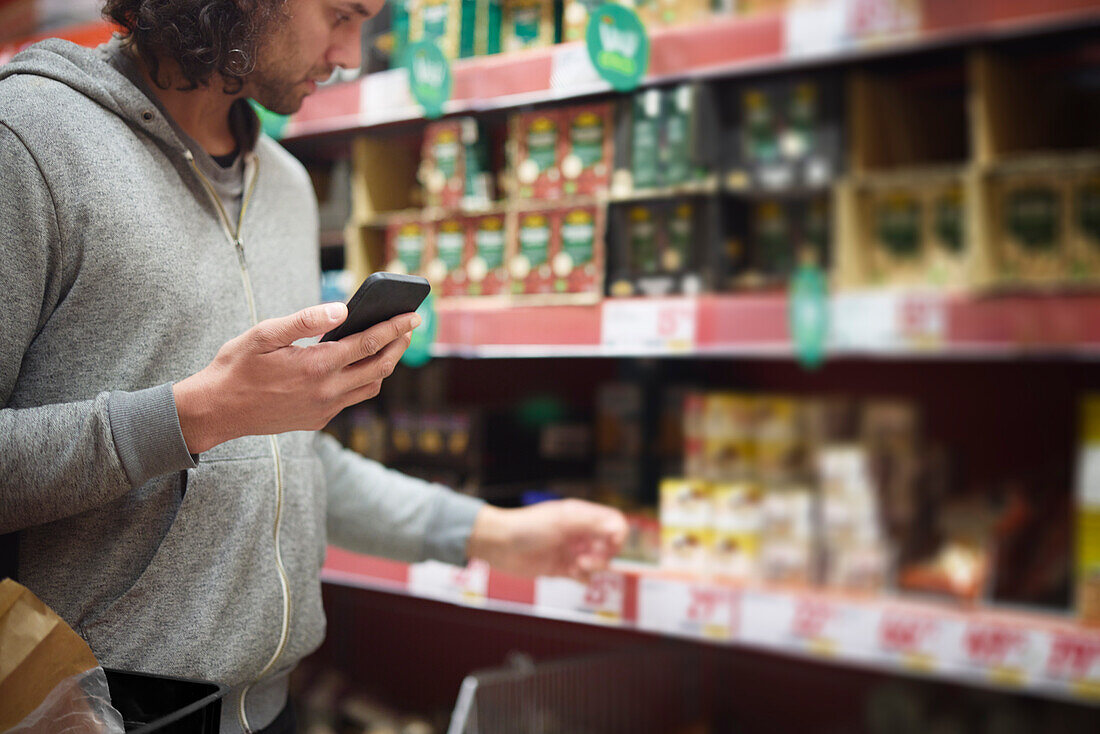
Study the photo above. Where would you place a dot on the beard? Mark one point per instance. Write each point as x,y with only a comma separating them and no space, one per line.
281,93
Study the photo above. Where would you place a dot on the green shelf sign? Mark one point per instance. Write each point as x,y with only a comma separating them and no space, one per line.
808,312
430,77
618,46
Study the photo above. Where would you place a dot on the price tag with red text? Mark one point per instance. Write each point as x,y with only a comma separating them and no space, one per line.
1075,660
469,585
1008,655
603,599
917,641
648,325
684,608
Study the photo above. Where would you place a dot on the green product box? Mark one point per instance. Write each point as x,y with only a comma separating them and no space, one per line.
646,137
481,24
676,141
400,28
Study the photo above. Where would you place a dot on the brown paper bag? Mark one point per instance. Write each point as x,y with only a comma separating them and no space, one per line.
38,651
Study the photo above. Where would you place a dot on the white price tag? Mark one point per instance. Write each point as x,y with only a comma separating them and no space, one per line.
808,624
1075,660
648,325
816,27
571,68
381,92
883,321
1007,655
917,641
603,599
870,21
468,585
683,608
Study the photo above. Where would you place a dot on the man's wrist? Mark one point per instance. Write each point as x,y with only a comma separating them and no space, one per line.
196,417
490,534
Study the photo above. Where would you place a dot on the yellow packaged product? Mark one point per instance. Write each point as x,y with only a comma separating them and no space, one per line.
528,24
686,503
738,520
727,435
686,549
439,21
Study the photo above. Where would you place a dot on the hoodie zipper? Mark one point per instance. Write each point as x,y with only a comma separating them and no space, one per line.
236,239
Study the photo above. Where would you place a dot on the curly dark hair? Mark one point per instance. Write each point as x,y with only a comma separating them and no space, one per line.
206,38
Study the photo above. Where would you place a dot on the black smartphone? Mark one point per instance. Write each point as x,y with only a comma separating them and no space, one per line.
381,297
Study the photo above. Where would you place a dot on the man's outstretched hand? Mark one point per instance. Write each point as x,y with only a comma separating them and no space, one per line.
561,538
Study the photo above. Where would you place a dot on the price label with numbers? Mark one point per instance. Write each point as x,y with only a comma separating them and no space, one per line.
1008,655
648,325
603,599
469,585
1075,660
915,640
683,608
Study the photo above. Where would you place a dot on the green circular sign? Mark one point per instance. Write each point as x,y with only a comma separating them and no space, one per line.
429,77
618,45
423,336
808,312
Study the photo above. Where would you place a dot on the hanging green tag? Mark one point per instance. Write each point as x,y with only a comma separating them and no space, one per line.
618,45
272,123
423,336
808,312
430,77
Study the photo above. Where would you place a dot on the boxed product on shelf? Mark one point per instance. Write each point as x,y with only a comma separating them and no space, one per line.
575,18
530,24
787,543
675,12
687,530
785,135
678,110
1030,213
729,448
534,154
779,441
856,556
486,271
588,149
645,139
436,20
447,270
442,170
683,239
908,229
1087,514
529,267
578,257
694,434
738,523
1085,227
481,26
408,245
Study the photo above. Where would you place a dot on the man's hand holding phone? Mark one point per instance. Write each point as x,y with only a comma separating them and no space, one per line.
260,383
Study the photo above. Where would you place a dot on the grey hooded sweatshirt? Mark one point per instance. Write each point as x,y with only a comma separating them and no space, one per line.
118,278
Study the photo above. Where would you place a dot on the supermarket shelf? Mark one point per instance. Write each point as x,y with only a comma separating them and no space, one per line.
720,46
873,323
1043,654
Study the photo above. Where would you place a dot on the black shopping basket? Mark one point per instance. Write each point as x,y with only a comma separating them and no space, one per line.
165,705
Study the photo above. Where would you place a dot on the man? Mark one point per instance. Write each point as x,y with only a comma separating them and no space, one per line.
159,454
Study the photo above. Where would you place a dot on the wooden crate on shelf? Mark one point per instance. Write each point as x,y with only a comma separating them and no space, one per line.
1037,225
906,229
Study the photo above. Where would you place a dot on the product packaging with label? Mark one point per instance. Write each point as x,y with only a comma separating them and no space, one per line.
530,24
447,271
481,26
588,149
442,170
439,21
1030,215
578,261
534,152
407,246
529,264
486,274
